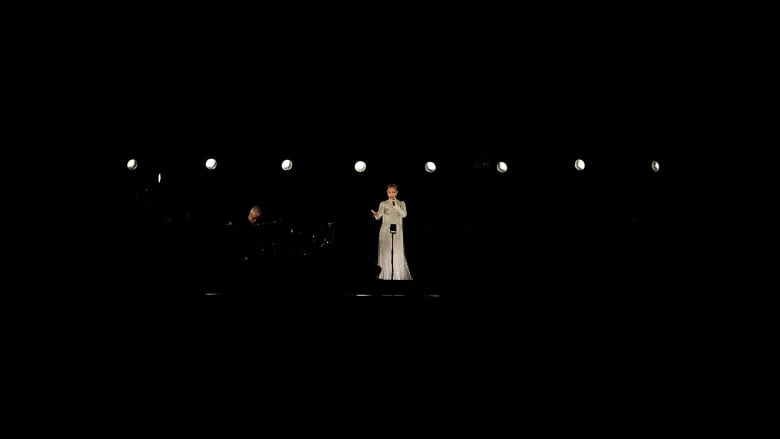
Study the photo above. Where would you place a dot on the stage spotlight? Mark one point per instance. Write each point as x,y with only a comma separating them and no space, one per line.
430,167
655,166
159,178
211,164
132,164
287,164
579,164
360,166
502,167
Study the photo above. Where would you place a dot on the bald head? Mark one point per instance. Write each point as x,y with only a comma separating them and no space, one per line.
254,214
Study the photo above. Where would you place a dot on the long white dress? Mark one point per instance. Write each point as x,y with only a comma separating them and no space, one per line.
391,257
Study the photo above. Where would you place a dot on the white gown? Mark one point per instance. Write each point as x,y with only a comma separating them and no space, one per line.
391,257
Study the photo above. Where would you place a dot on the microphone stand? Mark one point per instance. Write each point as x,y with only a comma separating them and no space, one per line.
392,250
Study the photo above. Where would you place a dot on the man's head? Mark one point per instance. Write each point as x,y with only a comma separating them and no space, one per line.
254,214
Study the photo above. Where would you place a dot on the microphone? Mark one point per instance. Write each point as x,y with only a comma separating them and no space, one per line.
393,203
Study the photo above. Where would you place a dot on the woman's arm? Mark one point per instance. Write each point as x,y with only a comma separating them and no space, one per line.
402,208
378,213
